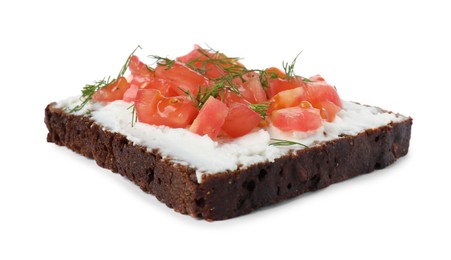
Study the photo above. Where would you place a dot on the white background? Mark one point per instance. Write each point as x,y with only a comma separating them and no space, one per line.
56,204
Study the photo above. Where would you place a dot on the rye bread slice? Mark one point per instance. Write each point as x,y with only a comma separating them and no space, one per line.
232,193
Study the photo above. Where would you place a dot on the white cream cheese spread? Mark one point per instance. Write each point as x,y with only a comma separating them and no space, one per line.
208,156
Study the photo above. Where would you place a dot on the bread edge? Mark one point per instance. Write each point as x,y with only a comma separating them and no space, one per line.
233,193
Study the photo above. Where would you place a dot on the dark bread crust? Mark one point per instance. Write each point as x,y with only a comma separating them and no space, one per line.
230,194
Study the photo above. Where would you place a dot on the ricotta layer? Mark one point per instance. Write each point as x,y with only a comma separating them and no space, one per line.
209,157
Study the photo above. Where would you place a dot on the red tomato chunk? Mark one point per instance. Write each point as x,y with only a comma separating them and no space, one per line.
185,78
114,91
155,109
210,119
240,120
296,119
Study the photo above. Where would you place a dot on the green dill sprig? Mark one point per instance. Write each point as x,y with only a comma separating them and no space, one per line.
229,65
306,79
227,82
261,109
162,61
220,60
134,116
127,62
273,75
214,90
264,79
289,68
282,142
89,89
190,94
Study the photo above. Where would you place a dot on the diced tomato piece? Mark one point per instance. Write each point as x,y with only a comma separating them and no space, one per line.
139,69
328,110
323,97
136,84
274,73
210,119
296,119
251,88
214,65
192,55
140,74
254,91
287,98
130,94
113,91
166,87
182,76
155,109
319,91
198,58
317,78
229,97
240,120
276,85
